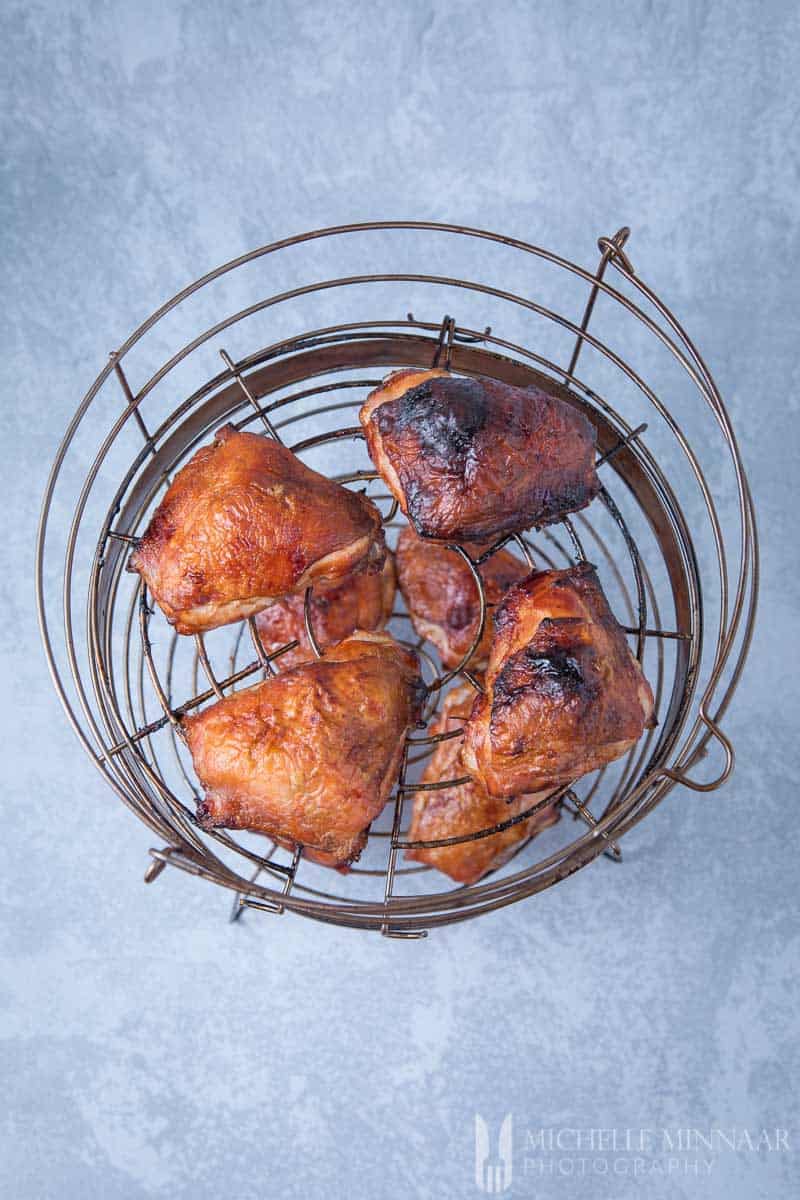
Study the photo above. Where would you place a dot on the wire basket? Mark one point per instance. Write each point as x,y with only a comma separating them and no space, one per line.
672,532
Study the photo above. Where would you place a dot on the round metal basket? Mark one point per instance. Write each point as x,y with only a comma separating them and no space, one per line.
672,532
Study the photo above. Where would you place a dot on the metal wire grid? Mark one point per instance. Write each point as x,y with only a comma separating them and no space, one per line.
121,741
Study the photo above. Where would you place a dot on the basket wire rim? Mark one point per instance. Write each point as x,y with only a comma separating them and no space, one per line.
748,569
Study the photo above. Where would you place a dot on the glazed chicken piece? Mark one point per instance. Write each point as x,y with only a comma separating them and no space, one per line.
310,756
564,693
467,808
442,597
470,459
363,601
246,522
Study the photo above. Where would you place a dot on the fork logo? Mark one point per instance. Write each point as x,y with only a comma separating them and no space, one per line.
493,1173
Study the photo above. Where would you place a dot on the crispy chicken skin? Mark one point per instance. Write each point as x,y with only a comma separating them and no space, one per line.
310,756
564,694
362,601
246,522
467,808
442,597
469,459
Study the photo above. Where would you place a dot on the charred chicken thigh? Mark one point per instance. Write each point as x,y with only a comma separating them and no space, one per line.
564,693
467,808
469,459
442,596
362,601
310,756
246,522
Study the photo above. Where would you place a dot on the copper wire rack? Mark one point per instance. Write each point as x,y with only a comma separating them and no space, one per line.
672,533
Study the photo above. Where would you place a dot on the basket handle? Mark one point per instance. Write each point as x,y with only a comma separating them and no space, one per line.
730,759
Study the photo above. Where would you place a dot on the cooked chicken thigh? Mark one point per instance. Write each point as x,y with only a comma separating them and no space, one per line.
310,756
467,808
564,693
363,601
442,597
471,459
246,522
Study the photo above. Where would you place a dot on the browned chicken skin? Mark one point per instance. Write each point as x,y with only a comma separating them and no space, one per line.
310,756
564,693
442,597
471,459
363,601
246,522
467,808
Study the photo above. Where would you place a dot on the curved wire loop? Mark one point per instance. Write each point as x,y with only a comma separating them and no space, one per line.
678,775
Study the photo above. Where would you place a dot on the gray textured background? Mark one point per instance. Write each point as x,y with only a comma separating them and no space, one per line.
149,1049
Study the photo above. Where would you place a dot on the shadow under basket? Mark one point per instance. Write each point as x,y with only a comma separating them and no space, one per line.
672,532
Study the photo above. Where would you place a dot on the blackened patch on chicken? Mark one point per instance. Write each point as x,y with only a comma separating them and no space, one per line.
555,674
445,419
